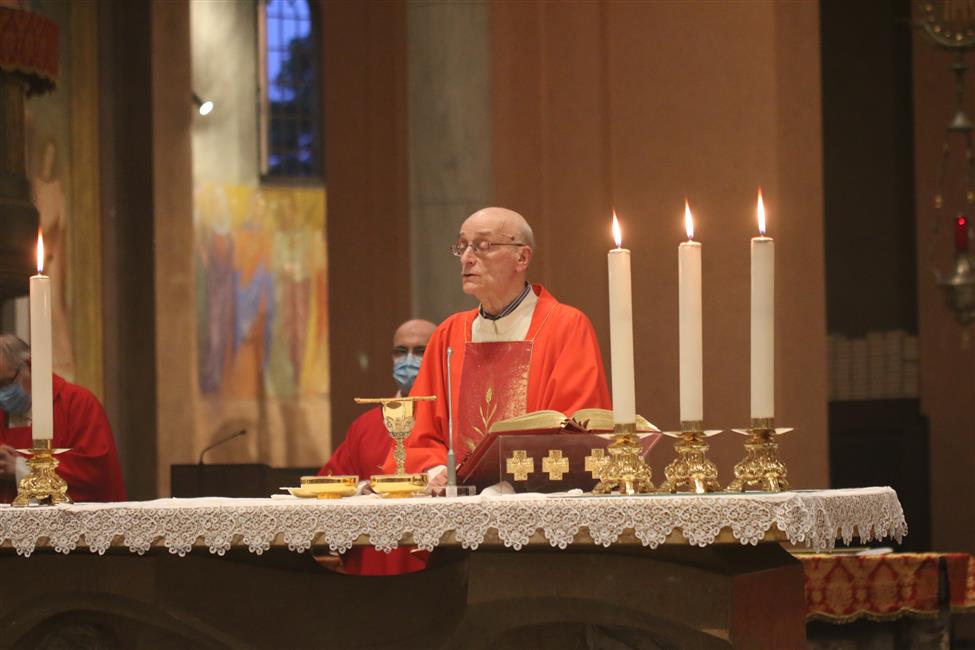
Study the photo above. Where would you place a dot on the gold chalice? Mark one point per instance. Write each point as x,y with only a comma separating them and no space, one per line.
398,418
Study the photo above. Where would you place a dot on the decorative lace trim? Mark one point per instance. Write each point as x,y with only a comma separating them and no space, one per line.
814,519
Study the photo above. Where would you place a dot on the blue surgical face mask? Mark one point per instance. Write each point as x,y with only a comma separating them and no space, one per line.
405,370
14,399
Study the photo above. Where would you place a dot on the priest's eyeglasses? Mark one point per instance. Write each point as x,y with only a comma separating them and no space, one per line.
480,247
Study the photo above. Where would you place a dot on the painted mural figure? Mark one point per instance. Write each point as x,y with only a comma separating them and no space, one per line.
216,290
262,321
48,193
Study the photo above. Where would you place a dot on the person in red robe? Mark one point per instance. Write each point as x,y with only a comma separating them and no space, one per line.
91,468
519,351
366,444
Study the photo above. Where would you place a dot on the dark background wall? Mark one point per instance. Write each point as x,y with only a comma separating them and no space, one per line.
367,197
868,167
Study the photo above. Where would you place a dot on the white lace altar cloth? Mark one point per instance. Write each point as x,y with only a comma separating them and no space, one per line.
814,519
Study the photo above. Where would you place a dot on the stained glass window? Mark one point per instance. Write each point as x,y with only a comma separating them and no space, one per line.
290,125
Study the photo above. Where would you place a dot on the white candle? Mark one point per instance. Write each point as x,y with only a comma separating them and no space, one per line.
690,313
763,320
621,330
42,417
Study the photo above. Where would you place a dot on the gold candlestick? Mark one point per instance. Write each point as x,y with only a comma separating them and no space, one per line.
42,486
761,467
624,472
398,418
692,470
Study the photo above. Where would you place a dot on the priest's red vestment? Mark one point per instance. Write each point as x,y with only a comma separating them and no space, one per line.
366,444
91,469
565,374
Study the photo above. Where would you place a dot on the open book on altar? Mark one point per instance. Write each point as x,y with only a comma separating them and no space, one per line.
595,420
537,434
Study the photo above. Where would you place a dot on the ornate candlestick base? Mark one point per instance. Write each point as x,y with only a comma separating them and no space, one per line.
42,486
760,468
624,472
398,418
692,470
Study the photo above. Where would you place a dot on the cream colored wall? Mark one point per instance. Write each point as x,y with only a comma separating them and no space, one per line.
223,43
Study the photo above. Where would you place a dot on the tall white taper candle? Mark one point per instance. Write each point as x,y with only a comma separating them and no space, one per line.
690,314
42,418
621,330
763,321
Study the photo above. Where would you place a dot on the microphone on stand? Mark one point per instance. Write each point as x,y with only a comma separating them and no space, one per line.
220,442
451,458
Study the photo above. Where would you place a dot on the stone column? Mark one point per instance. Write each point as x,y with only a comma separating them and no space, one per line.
450,143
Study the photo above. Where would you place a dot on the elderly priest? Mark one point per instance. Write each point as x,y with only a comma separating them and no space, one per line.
521,350
91,468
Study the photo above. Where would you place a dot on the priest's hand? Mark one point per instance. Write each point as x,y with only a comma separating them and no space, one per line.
8,463
437,484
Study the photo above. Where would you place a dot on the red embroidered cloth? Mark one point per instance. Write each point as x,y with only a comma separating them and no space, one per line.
843,588
29,48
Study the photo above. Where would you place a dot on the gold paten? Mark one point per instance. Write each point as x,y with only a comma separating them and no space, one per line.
596,462
555,465
520,465
692,470
624,471
398,418
42,486
761,468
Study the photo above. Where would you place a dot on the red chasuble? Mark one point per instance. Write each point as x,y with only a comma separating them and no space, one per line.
91,469
362,453
493,387
565,373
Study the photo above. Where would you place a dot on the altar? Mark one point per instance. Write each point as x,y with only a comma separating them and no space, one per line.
510,571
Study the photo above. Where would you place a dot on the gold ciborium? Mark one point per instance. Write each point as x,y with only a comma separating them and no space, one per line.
692,470
398,418
42,486
325,487
761,468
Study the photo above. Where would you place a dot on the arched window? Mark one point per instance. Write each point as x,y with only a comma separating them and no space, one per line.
290,128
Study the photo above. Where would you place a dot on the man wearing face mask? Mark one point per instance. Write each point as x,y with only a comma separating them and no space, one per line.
91,469
367,444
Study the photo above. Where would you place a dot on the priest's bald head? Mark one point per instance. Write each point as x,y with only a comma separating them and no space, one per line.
495,246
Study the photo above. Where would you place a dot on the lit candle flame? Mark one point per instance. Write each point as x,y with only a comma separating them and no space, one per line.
688,221
40,252
761,213
617,231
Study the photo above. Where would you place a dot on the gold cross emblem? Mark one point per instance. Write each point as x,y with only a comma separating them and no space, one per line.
596,462
520,465
555,465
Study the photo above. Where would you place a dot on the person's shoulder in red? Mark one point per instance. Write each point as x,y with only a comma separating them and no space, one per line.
364,449
91,466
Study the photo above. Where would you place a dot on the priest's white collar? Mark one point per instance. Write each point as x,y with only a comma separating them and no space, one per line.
511,327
